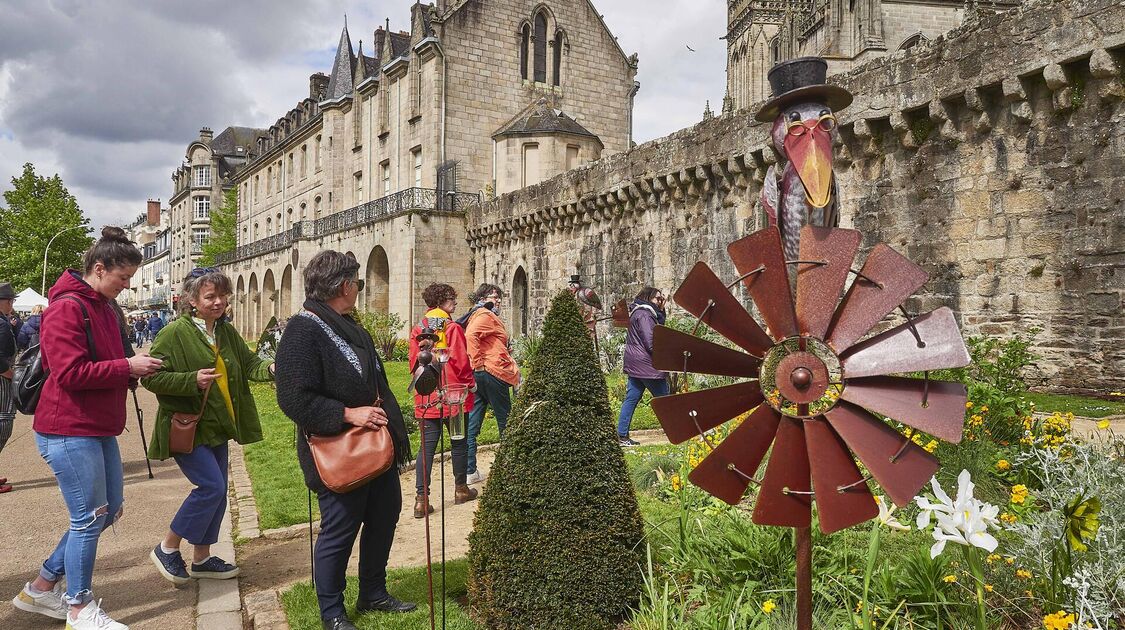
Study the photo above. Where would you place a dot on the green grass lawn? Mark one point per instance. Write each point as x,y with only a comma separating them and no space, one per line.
406,584
1079,405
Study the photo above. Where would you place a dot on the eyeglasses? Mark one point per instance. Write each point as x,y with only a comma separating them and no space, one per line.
826,122
359,284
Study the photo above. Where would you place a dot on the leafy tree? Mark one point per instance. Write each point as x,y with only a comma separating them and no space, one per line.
556,542
37,209
224,226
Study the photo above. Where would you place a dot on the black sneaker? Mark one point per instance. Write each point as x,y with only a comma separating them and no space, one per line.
387,603
214,568
170,565
626,442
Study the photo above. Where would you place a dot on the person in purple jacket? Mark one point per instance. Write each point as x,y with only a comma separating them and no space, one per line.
646,311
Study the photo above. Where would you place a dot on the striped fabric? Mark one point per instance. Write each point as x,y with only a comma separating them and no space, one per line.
7,411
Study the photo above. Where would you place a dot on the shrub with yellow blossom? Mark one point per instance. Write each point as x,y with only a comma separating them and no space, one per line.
1061,620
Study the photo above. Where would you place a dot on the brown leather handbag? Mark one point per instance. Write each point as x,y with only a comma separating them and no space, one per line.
350,459
181,435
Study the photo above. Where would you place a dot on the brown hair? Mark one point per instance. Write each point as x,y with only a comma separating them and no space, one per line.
112,250
437,293
646,294
484,291
193,287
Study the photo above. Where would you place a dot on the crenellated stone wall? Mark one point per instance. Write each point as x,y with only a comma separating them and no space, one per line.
994,157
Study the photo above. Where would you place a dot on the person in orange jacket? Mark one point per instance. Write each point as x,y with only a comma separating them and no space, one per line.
494,369
433,415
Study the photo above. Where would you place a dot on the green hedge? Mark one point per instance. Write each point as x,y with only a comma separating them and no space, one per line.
557,541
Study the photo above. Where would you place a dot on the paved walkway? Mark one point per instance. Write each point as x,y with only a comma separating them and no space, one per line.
34,517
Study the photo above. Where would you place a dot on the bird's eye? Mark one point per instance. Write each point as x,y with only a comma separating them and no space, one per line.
823,113
794,117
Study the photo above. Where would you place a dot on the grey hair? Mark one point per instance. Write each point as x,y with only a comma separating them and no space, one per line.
327,272
193,287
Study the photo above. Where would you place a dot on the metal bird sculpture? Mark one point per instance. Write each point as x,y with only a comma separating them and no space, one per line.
801,189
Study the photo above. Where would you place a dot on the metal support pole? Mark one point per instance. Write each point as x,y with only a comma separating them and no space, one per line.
804,553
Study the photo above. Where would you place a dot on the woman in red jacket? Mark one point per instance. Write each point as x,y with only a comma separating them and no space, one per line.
81,412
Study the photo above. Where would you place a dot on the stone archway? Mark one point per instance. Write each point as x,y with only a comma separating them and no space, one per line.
285,297
378,280
238,308
269,300
253,309
519,302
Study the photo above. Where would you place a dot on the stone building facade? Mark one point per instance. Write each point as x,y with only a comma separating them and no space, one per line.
150,287
198,186
386,152
994,157
846,33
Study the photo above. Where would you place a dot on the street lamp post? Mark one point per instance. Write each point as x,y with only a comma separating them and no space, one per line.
43,286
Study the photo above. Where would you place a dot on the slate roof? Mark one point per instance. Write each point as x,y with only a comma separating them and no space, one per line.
343,69
400,44
370,65
227,142
540,118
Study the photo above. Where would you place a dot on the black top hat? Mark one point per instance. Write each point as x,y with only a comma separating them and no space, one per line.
801,79
6,292
575,279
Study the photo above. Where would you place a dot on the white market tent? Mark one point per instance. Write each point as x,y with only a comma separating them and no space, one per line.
28,299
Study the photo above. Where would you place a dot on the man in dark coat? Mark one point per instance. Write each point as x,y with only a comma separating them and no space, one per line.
8,333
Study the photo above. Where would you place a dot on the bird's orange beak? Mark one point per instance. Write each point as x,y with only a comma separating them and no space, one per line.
811,155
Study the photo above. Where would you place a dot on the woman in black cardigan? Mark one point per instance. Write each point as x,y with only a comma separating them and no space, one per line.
328,378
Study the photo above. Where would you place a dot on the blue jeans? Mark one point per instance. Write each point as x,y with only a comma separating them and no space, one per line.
491,392
202,511
91,479
633,392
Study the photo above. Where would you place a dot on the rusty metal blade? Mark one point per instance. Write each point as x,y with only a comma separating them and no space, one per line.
875,444
842,497
704,357
901,399
788,468
819,286
770,286
897,350
743,449
892,279
711,407
727,317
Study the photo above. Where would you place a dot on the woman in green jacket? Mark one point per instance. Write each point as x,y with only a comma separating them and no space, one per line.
202,350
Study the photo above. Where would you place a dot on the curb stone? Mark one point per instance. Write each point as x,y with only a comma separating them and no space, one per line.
218,602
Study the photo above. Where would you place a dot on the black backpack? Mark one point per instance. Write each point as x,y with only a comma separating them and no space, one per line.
28,372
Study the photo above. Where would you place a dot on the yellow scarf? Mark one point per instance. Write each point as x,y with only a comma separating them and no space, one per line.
220,365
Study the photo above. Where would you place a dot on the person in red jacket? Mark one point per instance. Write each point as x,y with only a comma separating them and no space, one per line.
81,412
431,413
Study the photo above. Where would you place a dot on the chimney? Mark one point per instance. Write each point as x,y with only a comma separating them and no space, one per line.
205,135
318,86
154,212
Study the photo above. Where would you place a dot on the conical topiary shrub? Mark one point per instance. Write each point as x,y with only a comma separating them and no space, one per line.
557,537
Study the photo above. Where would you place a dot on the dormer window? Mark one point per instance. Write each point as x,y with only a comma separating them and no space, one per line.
202,176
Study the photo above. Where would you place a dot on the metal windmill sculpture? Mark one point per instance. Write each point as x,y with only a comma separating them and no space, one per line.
812,384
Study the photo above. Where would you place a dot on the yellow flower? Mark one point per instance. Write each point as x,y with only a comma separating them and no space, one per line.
1103,424
1023,574
1019,494
768,606
949,579
1003,465
983,408
969,405
1059,621
1008,519
931,446
1010,560
988,588
992,558
676,483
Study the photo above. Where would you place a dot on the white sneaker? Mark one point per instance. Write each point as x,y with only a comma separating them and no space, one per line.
50,604
92,617
474,478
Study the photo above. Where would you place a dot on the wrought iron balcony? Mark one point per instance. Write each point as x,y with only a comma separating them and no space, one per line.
402,202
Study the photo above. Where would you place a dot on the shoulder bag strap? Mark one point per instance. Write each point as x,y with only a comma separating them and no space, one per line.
86,322
206,392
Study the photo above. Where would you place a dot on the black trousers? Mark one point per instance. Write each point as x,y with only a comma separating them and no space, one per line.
376,507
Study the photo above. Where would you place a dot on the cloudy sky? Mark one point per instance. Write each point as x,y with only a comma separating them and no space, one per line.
108,93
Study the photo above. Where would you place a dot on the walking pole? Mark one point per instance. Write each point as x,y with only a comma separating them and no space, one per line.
441,442
141,424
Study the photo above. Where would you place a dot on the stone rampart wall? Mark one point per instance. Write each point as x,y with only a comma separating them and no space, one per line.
993,156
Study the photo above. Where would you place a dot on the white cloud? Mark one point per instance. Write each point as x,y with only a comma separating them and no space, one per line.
108,94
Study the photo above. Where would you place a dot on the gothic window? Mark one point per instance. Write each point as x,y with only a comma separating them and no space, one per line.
556,66
525,37
775,50
912,41
540,47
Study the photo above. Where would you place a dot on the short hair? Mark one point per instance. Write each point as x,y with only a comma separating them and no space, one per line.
437,293
646,294
37,309
327,272
484,290
194,285
112,250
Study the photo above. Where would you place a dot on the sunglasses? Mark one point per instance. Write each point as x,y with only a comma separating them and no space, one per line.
199,272
359,284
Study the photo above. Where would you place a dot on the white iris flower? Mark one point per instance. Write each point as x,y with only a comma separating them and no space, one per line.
964,521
